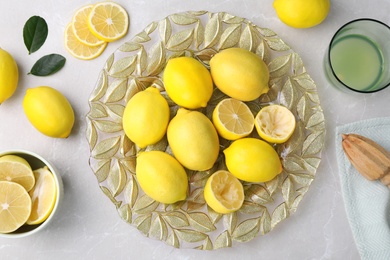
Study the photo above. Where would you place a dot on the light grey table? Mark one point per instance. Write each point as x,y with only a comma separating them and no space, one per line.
88,226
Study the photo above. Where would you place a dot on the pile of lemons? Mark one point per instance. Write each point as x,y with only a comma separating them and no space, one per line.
26,196
194,139
93,27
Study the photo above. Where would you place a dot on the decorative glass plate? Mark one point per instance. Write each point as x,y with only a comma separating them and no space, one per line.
138,64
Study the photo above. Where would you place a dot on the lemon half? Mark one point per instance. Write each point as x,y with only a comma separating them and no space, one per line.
223,192
275,123
233,119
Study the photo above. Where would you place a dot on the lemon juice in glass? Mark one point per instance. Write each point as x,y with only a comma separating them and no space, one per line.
358,56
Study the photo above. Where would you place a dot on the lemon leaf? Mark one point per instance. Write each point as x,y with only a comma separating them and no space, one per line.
35,33
48,65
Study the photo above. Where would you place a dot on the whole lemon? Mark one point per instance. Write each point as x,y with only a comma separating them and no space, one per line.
252,160
49,111
187,82
240,74
146,117
161,177
193,140
9,75
302,13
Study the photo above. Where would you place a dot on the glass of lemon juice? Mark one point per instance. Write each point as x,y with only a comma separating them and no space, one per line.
358,56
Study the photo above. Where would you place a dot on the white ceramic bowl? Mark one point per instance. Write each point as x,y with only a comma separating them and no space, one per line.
36,161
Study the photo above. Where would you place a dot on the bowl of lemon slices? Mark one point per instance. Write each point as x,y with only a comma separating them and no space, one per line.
30,193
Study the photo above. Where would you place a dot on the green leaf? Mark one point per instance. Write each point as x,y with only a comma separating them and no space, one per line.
35,33
48,65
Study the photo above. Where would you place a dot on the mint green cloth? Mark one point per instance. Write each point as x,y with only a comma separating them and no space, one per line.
367,203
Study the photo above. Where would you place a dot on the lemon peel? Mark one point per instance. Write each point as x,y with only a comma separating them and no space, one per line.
223,192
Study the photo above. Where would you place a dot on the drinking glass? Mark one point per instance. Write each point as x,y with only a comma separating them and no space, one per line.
358,56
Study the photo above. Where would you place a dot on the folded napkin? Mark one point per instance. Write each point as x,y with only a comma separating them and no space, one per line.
367,203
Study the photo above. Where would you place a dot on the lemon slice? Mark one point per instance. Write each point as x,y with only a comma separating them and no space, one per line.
16,169
233,119
15,206
80,50
275,123
80,27
108,21
43,196
223,192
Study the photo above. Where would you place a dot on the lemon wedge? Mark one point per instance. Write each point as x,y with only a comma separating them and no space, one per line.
15,206
43,196
223,192
81,29
78,49
108,21
275,123
233,119
16,169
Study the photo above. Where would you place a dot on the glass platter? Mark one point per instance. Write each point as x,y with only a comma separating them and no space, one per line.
138,64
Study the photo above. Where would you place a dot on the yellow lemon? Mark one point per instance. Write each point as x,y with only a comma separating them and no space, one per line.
49,111
9,75
146,117
193,140
43,196
187,82
302,13
252,160
16,169
223,192
80,27
108,21
275,123
240,74
161,177
233,119
15,206
80,50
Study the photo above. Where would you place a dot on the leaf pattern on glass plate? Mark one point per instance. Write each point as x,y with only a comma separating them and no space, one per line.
138,64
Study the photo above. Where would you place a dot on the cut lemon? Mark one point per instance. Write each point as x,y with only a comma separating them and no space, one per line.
43,196
15,206
275,123
108,21
223,192
80,50
233,119
16,169
80,27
